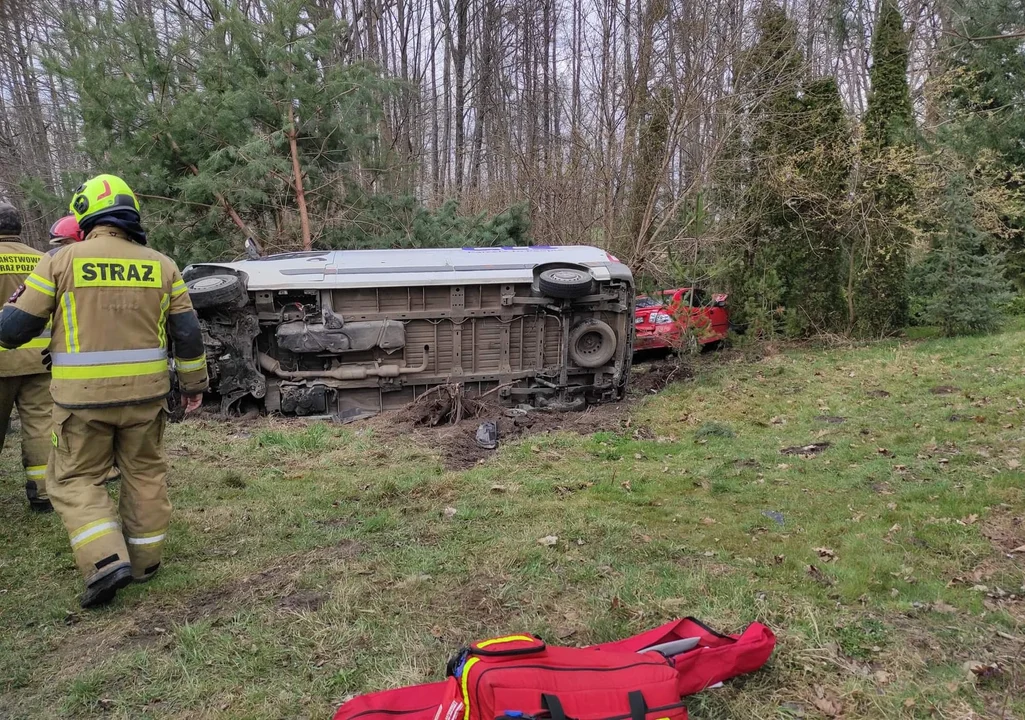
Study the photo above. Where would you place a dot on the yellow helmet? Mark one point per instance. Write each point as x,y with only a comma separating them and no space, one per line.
102,195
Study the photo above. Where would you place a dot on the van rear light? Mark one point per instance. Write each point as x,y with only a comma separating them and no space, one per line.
611,257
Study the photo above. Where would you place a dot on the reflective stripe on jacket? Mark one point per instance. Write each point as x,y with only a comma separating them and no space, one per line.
17,261
110,299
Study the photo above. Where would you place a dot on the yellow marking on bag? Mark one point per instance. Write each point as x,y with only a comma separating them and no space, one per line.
507,638
464,682
11,264
116,272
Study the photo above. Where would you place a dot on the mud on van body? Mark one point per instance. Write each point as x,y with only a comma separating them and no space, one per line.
352,333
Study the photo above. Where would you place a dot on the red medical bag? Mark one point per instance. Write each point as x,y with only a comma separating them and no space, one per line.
716,658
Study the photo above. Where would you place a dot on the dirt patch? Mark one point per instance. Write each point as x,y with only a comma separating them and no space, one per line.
878,394
458,443
1005,530
653,377
806,450
302,601
830,419
276,582
944,390
447,421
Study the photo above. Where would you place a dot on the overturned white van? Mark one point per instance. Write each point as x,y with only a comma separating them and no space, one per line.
352,333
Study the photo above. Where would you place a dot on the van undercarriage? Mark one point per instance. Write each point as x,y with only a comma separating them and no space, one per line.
351,353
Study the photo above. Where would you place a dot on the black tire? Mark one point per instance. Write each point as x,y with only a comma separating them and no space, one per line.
565,283
592,344
214,290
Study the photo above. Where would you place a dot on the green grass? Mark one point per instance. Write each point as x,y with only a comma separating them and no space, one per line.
311,562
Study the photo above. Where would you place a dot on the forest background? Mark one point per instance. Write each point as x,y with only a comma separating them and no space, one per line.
839,166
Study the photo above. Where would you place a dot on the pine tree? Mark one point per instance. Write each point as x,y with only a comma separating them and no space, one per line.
768,86
960,286
249,128
812,258
788,270
983,95
881,300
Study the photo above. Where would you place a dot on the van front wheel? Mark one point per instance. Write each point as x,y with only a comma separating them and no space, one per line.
213,290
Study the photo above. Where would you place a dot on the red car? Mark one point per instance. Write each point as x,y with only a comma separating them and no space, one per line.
660,320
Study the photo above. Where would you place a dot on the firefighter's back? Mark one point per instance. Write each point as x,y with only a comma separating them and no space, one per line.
110,340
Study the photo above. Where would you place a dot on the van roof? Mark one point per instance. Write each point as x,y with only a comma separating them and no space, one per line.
435,266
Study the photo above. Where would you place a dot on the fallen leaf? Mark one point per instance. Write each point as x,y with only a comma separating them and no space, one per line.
829,705
909,703
548,540
970,520
1019,549
826,554
942,607
819,576
881,676
638,456
498,488
449,512
626,486
707,521
1013,464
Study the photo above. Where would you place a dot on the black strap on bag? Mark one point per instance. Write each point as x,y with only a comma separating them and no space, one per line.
638,705
553,705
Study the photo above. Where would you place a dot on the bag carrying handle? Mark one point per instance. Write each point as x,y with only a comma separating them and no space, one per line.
638,706
553,705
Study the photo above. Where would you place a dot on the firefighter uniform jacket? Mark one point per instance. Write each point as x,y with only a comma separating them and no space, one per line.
16,262
113,304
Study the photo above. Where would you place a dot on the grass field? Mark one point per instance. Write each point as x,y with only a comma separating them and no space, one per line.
308,563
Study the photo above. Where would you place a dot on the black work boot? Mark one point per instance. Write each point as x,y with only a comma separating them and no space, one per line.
101,591
38,504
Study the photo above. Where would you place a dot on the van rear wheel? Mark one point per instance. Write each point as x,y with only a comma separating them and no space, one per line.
565,283
214,290
592,344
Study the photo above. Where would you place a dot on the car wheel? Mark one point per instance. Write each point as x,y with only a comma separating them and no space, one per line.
565,283
214,290
592,344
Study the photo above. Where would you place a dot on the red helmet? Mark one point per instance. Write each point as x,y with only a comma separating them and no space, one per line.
66,228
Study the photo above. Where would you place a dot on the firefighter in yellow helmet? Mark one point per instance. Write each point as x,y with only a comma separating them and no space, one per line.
24,379
117,307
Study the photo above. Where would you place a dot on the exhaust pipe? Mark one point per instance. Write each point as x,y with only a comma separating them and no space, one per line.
272,366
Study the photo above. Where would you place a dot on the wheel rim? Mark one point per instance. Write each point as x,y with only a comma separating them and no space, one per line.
590,343
566,276
207,283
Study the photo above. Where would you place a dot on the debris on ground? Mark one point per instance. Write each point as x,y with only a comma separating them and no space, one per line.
653,377
444,405
805,450
487,435
831,419
878,394
944,390
775,516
